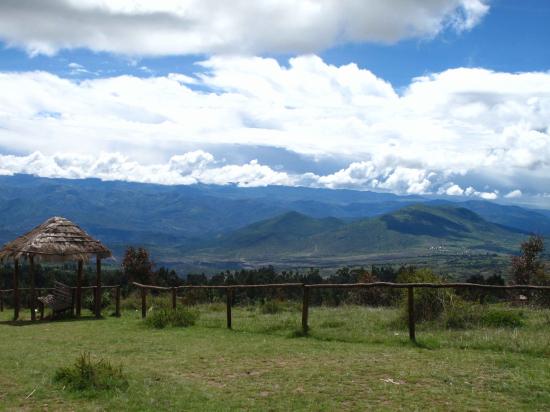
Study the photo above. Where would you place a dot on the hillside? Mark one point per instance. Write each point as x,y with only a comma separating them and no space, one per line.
413,229
175,221
528,220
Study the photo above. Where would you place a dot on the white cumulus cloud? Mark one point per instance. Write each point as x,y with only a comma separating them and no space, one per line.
188,168
469,127
514,194
170,27
201,167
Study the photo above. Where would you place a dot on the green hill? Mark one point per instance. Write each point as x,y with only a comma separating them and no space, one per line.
413,229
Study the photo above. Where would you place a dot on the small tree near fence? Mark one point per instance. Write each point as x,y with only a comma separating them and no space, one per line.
527,268
137,266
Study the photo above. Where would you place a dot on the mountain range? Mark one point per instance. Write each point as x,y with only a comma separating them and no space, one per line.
274,223
416,229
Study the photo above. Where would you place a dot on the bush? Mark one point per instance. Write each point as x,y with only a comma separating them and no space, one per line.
503,318
461,315
89,301
131,302
429,304
163,317
86,374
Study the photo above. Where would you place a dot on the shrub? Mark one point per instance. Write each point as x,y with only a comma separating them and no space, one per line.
89,301
502,318
86,374
429,304
163,317
131,302
372,296
461,315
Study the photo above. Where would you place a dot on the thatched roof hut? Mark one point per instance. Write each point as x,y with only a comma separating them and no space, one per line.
57,239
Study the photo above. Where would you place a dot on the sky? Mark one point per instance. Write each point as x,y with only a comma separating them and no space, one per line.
445,98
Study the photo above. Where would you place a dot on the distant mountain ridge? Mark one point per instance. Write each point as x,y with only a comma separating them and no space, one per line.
419,228
176,220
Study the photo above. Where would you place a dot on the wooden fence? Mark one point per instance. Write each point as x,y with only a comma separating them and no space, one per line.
77,303
229,290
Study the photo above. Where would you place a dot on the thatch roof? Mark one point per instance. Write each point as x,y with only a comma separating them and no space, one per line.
57,239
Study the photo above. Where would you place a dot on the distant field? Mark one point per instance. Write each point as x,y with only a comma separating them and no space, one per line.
355,358
455,266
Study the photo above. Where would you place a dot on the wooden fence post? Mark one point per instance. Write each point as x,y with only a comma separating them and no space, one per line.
228,305
305,308
412,333
174,297
143,302
117,302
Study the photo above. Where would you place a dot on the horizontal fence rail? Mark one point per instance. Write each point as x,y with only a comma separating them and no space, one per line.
266,285
229,289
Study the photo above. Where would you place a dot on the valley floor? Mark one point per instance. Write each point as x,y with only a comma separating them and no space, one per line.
355,358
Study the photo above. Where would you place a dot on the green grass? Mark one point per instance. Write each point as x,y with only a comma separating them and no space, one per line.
355,358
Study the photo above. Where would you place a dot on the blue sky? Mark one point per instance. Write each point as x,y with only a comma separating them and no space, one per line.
512,37
439,97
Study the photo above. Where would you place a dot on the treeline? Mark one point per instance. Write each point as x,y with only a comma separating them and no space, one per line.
45,275
373,296
526,268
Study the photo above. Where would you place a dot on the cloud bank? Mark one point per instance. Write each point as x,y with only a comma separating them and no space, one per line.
201,167
175,27
464,131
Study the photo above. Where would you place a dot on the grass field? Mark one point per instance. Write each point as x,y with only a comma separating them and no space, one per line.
355,358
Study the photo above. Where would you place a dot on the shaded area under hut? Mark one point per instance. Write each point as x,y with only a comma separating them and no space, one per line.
56,240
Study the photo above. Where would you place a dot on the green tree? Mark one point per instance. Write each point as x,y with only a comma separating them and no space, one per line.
528,267
137,266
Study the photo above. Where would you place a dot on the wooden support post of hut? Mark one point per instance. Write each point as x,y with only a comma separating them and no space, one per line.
97,299
16,289
33,290
79,271
56,240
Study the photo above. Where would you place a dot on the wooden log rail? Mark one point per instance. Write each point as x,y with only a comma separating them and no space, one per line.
78,303
306,288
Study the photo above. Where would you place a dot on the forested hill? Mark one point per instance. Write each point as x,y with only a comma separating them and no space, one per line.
418,228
